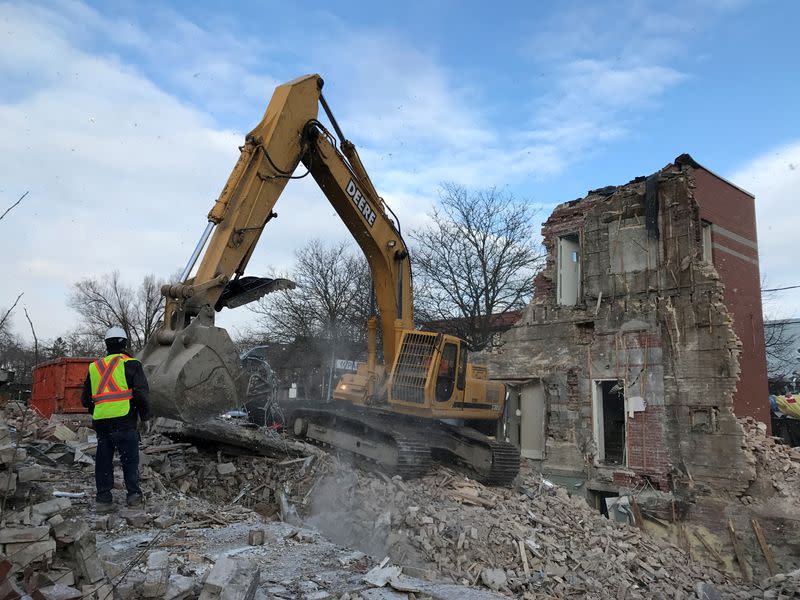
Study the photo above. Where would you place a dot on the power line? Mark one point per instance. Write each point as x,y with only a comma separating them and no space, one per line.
780,289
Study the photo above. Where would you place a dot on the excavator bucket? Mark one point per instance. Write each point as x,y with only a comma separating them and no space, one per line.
196,375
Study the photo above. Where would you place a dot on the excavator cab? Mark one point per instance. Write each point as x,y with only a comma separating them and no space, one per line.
432,377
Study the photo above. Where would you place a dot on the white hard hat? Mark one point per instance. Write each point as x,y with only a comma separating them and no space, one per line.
116,332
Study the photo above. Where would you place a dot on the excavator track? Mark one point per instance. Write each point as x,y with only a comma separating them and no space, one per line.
367,436
492,462
505,464
404,446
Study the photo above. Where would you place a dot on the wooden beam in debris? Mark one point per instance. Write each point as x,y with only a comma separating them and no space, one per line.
762,541
252,439
637,513
711,550
737,550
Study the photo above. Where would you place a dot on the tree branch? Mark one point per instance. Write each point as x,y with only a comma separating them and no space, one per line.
35,339
8,210
8,312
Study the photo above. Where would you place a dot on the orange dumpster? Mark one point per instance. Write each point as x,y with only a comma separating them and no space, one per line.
57,386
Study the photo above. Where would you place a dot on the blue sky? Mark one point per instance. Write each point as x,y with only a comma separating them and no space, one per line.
123,118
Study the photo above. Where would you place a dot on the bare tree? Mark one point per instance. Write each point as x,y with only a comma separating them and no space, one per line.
331,300
107,301
35,337
4,320
8,210
323,318
475,258
780,342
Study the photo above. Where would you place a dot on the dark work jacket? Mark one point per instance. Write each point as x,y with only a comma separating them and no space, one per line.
137,382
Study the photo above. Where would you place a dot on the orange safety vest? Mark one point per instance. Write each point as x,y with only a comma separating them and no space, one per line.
110,392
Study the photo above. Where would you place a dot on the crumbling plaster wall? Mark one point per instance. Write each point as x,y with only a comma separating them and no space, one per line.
650,314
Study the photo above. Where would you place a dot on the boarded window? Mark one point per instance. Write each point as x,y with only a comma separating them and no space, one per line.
569,270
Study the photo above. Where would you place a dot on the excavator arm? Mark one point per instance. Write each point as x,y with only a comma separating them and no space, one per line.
191,363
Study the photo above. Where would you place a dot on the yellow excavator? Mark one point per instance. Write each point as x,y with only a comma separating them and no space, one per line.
414,406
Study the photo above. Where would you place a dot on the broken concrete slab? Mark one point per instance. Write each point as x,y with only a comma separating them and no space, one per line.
403,583
9,535
179,587
42,511
164,521
243,585
494,578
8,482
255,441
230,579
380,576
383,594
11,454
65,434
84,553
57,591
25,553
69,531
136,518
156,578
26,474
226,468
220,574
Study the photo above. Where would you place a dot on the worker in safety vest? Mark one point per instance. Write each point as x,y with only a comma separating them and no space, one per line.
116,393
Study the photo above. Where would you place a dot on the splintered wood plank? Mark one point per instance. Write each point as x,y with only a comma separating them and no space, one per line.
737,550
637,514
762,541
711,550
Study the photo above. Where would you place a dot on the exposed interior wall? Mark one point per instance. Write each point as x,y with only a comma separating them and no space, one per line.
650,315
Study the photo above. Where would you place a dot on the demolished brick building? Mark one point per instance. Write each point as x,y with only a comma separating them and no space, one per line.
627,361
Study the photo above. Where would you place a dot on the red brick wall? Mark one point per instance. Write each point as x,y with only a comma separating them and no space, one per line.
726,206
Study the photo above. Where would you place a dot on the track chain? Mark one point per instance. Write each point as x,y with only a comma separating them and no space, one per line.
505,464
413,455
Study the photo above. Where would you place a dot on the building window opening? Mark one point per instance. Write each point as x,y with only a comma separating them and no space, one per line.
603,500
609,396
569,269
708,250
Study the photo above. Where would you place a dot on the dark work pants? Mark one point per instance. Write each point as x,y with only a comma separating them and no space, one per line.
126,443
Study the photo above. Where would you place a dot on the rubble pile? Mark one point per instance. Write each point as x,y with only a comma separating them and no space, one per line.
777,463
784,585
221,523
222,537
48,549
531,540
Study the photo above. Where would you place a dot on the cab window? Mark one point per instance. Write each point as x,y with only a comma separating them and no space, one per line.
446,377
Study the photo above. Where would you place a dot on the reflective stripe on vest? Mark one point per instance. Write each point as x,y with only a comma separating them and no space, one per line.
110,391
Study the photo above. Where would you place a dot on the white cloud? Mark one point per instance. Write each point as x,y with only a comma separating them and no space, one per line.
774,178
120,173
113,123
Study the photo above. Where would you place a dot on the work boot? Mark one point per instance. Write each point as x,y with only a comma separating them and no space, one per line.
104,507
134,500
